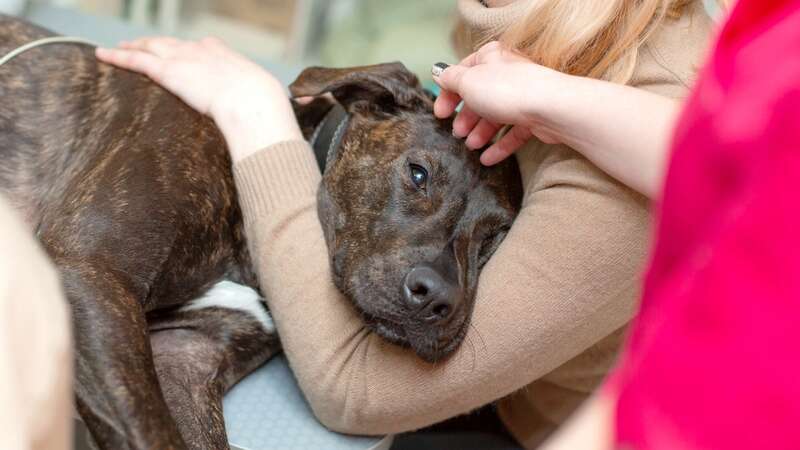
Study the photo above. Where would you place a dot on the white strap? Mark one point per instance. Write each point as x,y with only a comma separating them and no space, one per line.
45,41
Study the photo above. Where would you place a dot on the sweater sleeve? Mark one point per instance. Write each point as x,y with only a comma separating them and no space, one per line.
565,277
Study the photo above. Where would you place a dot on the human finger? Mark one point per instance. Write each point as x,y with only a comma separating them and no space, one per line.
446,104
483,132
448,77
135,60
464,122
161,46
516,137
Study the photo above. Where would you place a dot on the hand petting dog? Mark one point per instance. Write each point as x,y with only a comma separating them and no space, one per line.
249,105
499,87
623,130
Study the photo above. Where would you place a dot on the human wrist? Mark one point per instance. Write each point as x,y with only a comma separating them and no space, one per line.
547,108
255,123
247,133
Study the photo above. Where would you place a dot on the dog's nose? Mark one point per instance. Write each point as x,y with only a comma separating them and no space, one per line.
430,295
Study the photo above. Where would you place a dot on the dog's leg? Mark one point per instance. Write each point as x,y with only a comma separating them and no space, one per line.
202,349
116,385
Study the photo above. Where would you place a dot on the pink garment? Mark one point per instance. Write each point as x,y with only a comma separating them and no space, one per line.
713,359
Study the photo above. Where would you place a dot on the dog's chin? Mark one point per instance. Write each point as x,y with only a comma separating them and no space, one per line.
430,347
391,332
434,349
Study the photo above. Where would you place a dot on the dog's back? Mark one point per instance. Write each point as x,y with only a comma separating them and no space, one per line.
102,160
52,115
131,193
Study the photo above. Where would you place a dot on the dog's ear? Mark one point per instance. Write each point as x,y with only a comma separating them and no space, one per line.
382,86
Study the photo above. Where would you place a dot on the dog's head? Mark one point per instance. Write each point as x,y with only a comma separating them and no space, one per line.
410,216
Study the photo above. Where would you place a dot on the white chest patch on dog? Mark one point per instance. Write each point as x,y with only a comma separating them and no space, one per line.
227,294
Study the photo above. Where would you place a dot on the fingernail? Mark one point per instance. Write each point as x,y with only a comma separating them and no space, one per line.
438,68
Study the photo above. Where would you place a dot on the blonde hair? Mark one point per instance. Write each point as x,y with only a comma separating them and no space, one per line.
593,38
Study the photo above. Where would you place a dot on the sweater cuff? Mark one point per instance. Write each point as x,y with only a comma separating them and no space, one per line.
276,177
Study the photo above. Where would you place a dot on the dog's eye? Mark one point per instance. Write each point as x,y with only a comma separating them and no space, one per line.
419,176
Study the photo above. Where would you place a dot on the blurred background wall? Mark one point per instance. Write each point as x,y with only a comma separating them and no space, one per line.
290,34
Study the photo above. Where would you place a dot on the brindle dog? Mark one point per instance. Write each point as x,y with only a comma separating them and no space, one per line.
131,193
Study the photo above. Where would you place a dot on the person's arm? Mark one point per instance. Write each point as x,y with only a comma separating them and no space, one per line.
565,277
35,344
625,131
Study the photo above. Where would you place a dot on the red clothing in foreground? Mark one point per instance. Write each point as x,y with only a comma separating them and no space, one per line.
713,360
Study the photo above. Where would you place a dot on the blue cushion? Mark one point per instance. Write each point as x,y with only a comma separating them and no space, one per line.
267,410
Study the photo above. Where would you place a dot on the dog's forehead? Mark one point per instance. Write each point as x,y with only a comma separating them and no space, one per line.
403,129
372,145
376,149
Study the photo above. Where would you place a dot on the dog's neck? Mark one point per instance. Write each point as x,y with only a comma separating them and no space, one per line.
328,135
323,123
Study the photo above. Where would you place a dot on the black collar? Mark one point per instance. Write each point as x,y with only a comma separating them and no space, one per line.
328,136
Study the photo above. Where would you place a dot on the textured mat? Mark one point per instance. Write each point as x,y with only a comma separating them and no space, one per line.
266,410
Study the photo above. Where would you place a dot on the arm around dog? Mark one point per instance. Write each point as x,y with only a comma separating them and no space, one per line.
562,280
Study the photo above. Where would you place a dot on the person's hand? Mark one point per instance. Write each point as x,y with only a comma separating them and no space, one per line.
499,87
248,104
624,130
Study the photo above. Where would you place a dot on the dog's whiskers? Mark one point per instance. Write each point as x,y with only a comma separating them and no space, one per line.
483,342
472,349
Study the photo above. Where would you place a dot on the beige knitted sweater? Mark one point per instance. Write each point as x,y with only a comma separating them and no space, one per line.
550,305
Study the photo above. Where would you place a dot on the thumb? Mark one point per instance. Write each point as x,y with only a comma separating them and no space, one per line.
448,77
